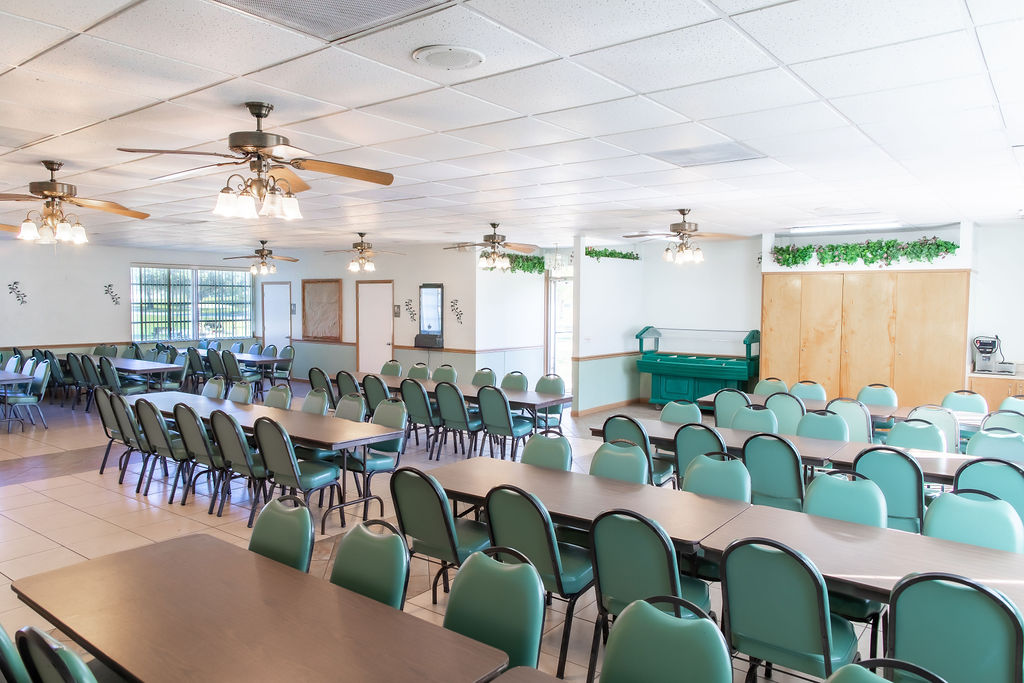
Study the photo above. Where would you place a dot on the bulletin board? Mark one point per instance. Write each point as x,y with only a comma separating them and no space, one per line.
321,309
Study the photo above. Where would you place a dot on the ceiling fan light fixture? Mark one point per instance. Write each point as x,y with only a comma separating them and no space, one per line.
46,235
698,255
273,268
63,233
29,231
264,269
290,207
353,266
272,205
245,206
78,235
369,267
227,204
254,269
668,255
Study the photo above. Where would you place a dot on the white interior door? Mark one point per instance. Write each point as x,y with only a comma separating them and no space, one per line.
376,324
277,314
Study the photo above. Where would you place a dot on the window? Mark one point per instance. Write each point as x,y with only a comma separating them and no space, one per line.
176,304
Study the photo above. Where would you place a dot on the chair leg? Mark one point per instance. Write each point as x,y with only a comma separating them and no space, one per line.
125,457
174,484
224,493
564,650
873,621
443,571
594,646
752,671
256,491
103,463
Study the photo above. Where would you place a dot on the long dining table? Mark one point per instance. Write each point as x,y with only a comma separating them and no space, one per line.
135,366
247,358
197,608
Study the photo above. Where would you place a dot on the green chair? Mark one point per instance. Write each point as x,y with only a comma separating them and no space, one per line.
769,386
279,397
318,380
351,407
1007,419
484,377
421,414
215,387
775,472
456,420
12,668
109,423
13,363
551,416
979,519
722,476
346,383
861,672
777,611
59,379
955,627
164,446
823,424
283,533
548,449
372,564
900,478
45,660
283,369
944,419
517,519
515,381
850,497
392,368
114,383
203,344
633,559
419,371
727,402
808,390
131,433
31,396
241,392
375,391
1002,479
239,457
879,395
499,424
197,370
270,351
174,380
692,440
500,604
965,401
681,413
236,347
997,442
1014,403
383,456
213,345
622,460
916,433
216,362
78,380
92,379
204,453
236,374
316,402
626,428
445,373
857,417
132,351
788,409
426,519
255,349
650,645
755,419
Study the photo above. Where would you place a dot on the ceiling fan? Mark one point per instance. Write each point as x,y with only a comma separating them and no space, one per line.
263,254
492,256
685,231
55,225
364,252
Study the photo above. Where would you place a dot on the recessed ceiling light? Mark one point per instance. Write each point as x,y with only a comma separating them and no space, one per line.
448,57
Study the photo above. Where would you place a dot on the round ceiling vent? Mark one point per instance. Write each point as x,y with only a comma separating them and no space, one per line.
448,57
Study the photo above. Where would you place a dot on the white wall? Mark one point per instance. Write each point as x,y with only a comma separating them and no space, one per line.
610,306
996,287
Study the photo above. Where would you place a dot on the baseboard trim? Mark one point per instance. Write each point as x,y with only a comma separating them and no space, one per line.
609,406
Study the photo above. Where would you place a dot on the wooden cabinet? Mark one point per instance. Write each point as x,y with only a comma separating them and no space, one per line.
907,329
996,388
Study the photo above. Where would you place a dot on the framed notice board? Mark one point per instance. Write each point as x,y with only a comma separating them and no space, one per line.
321,309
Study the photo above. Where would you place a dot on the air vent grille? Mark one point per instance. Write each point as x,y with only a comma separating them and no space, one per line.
708,154
331,19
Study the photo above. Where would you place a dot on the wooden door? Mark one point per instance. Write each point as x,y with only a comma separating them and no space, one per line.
869,331
780,326
821,316
994,389
931,335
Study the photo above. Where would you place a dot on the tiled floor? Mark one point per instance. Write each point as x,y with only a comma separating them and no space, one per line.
56,510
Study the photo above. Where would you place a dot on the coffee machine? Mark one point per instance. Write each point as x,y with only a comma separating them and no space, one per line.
985,350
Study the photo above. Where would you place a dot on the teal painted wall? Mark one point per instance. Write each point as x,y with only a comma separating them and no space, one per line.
608,380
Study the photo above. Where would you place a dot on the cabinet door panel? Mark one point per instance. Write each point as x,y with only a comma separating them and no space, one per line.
780,326
994,389
869,330
821,319
931,335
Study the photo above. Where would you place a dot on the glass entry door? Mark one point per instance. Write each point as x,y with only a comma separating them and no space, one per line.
559,338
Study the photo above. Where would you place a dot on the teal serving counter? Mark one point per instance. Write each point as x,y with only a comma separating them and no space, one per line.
687,376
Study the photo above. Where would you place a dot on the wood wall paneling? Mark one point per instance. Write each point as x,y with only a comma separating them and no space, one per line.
869,331
995,388
780,326
821,316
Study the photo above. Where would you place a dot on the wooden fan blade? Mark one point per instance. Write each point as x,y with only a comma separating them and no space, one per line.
634,235
103,205
467,245
521,248
9,228
18,198
340,251
296,183
284,152
718,236
284,258
228,258
136,150
194,171
356,172
385,251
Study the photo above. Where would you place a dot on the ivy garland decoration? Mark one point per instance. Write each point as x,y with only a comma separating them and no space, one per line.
871,252
526,264
595,253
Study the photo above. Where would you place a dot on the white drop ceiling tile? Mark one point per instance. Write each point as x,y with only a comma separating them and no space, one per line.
737,95
990,11
667,177
22,38
1014,113
689,55
1009,85
749,167
681,136
434,190
359,127
436,171
499,162
572,26
920,61
577,150
369,157
436,147
618,166
441,110
16,137
503,50
918,101
737,6
811,29
73,14
229,98
341,77
1003,44
20,86
314,144
619,116
88,59
230,40
783,121
587,186
833,141
545,87
166,116
521,132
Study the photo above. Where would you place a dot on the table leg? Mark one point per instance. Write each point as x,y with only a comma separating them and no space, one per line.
343,503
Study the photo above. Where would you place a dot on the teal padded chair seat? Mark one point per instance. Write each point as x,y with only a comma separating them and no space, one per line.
853,608
471,535
314,454
577,571
691,589
844,648
375,462
662,471
313,475
475,422
521,426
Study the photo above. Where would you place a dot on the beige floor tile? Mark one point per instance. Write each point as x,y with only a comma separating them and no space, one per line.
425,614
146,515
171,528
54,483
39,562
8,598
573,672
109,543
13,490
22,616
118,506
10,530
226,537
580,639
20,501
26,545
48,516
82,530
24,448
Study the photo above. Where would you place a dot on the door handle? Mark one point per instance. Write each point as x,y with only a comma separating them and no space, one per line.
388,343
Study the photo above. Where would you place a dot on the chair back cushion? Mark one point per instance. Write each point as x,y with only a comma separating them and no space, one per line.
284,533
374,565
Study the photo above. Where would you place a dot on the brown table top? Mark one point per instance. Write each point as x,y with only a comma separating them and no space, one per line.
579,498
528,398
662,434
877,412
250,358
13,377
138,367
304,428
199,609
867,561
525,674
937,466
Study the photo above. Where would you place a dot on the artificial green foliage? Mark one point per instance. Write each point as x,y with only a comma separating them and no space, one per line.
883,252
526,264
595,253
